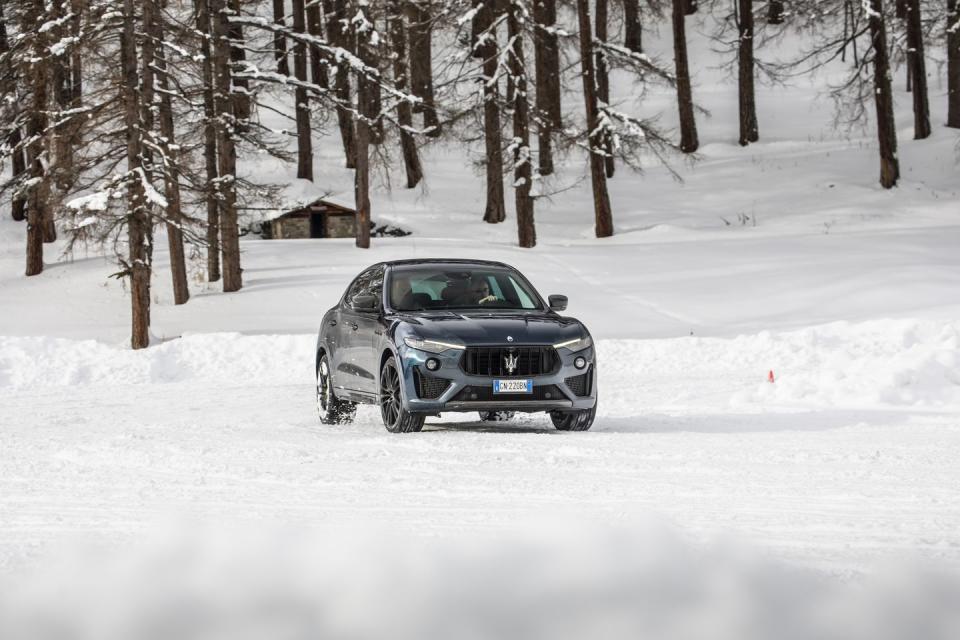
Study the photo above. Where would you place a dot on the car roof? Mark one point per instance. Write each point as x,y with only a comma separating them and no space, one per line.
427,261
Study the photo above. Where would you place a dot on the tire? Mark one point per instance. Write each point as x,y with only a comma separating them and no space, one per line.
496,416
573,420
332,410
395,418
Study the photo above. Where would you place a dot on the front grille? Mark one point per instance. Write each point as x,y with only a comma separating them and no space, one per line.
579,385
428,387
486,394
491,361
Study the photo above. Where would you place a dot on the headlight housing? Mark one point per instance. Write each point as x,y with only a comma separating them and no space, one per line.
431,346
577,344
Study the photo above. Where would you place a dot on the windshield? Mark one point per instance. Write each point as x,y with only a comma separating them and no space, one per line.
446,287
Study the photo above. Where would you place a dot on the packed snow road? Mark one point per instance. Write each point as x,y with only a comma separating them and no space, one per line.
848,458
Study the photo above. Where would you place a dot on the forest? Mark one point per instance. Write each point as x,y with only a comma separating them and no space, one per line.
125,120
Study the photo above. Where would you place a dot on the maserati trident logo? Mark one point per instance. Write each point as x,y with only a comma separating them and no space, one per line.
510,361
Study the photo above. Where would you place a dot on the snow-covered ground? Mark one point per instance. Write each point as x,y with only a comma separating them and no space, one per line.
784,257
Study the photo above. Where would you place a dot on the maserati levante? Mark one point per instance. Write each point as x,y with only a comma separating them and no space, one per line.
424,337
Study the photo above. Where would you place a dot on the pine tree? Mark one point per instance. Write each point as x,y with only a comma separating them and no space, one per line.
210,158
280,42
485,26
688,125
953,64
301,99
366,117
883,92
547,59
420,30
517,18
918,70
603,217
747,101
408,144
227,121
632,26
775,12
603,81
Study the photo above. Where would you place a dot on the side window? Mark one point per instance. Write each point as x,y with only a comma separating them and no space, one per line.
370,282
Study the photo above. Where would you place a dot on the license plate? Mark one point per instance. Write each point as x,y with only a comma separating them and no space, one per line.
513,386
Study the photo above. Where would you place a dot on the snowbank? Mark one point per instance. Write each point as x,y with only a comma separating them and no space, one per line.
841,365
219,358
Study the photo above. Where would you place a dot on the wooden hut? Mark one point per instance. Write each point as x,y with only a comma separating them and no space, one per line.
319,219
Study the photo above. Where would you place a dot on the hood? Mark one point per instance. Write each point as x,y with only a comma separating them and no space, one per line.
482,328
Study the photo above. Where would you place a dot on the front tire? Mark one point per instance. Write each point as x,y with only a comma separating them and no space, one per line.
395,418
573,420
332,410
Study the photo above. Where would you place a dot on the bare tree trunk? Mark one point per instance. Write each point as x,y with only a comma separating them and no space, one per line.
748,105
918,67
242,105
37,197
408,145
688,124
279,41
76,62
495,209
304,133
18,166
476,28
953,64
366,108
168,143
148,138
139,219
337,12
775,12
17,159
603,83
601,199
522,162
226,150
547,62
205,28
632,26
318,62
64,133
883,97
420,28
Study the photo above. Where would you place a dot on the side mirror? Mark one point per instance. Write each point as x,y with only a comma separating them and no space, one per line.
557,303
365,302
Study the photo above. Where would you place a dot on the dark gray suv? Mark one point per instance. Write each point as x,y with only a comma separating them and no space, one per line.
422,337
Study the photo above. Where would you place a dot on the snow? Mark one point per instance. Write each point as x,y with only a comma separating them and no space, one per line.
704,494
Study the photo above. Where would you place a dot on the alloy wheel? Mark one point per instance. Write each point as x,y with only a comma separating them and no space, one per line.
390,400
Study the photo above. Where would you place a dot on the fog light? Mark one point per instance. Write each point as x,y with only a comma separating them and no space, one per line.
433,364
579,363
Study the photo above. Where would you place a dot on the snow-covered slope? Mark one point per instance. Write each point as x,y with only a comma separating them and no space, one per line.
785,256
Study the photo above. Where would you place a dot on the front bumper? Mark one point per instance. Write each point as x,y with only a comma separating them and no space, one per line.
475,393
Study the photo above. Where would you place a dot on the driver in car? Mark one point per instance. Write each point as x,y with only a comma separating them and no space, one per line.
480,291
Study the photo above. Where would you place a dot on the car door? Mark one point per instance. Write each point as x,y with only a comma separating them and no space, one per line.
358,364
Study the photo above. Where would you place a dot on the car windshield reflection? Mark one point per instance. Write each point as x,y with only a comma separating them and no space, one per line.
438,288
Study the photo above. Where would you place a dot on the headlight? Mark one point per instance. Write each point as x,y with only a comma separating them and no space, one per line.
577,344
433,346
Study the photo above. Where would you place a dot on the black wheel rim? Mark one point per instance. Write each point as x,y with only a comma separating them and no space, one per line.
390,401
